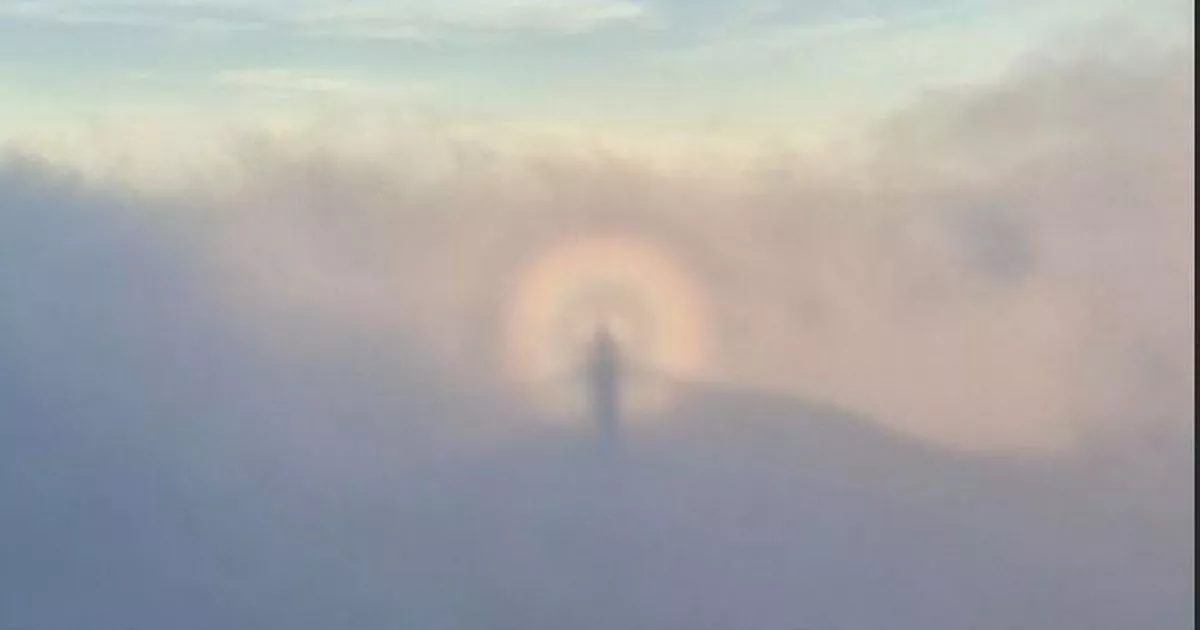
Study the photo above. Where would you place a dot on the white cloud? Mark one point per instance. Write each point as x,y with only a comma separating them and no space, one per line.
971,281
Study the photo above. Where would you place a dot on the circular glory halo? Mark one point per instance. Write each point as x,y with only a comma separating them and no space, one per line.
639,293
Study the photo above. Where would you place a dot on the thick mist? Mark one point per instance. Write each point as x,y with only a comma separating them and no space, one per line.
953,384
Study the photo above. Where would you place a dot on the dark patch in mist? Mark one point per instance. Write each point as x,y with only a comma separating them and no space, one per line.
995,243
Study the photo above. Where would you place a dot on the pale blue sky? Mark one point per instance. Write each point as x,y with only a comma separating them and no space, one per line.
794,65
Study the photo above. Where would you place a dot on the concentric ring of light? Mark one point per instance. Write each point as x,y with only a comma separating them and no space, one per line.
648,302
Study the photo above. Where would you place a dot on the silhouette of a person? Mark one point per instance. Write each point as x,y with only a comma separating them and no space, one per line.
604,385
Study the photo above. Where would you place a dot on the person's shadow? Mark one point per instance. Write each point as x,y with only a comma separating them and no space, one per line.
604,381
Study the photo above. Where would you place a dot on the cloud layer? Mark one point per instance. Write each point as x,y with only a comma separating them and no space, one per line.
996,269
271,396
